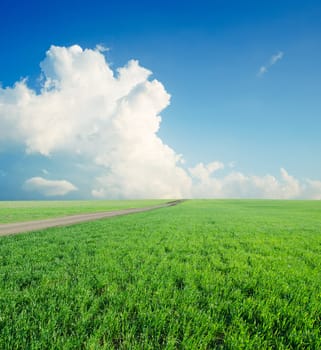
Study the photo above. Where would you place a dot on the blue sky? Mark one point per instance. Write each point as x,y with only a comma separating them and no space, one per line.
207,55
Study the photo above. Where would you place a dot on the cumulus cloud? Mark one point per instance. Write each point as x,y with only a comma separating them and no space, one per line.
49,187
108,121
273,60
238,185
203,172
108,118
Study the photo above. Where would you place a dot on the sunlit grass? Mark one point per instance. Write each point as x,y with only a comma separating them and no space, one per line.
201,275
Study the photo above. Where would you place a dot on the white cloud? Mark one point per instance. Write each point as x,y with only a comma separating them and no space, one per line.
108,118
276,57
203,172
239,185
262,71
108,121
49,187
102,48
273,60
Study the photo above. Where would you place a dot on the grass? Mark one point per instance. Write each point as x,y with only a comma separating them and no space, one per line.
201,275
35,210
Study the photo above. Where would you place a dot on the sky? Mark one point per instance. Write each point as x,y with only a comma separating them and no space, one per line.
163,99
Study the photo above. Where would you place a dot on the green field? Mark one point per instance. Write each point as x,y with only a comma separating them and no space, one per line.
217,274
35,210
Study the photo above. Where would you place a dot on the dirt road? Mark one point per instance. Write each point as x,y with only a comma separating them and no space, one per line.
21,227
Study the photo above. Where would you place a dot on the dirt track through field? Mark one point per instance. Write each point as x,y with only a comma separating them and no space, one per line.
21,227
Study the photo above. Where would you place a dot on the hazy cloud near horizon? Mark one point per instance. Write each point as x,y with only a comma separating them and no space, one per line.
49,187
110,120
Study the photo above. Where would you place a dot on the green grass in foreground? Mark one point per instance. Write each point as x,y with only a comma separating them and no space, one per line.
35,210
201,275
